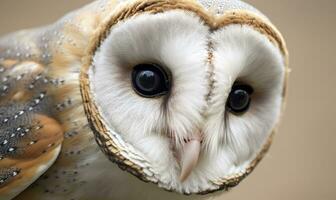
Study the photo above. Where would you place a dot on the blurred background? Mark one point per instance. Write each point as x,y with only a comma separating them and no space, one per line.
302,160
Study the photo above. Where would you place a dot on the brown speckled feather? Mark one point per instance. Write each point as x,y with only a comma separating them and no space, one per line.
41,118
31,138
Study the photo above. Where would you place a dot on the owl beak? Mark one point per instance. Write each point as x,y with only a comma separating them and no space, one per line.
189,156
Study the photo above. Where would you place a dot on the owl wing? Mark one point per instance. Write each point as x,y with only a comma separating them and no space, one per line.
34,66
30,138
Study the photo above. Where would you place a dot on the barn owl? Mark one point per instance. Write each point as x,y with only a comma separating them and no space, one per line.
139,99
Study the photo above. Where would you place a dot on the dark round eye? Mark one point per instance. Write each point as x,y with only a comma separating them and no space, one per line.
150,80
239,99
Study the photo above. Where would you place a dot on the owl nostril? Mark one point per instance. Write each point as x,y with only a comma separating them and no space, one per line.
186,140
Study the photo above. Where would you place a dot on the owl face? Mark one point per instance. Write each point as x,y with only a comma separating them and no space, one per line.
182,97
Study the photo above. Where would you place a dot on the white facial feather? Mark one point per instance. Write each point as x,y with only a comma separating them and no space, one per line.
179,41
244,55
175,40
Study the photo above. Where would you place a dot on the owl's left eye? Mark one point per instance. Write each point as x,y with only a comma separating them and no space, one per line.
239,99
150,80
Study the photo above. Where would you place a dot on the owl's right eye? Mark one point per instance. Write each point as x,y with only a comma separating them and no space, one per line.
150,80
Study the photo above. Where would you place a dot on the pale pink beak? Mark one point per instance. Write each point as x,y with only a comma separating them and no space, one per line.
189,156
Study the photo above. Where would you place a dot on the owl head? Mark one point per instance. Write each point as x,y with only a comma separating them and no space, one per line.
185,94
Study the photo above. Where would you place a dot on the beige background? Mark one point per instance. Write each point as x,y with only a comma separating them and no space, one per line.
302,160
